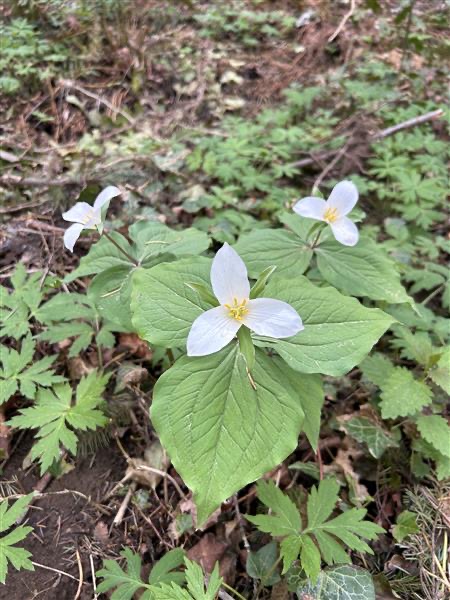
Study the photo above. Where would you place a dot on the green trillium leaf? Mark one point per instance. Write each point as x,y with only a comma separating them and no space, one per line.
222,429
339,331
362,270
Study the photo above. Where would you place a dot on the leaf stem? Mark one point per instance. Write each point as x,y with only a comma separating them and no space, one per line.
316,239
237,594
119,247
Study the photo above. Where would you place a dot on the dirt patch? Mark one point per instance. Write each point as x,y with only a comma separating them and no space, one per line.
64,527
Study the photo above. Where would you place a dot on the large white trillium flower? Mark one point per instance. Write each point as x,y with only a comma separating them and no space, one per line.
215,328
333,211
85,216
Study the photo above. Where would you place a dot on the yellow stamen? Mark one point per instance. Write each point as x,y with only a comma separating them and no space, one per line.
87,217
330,215
237,310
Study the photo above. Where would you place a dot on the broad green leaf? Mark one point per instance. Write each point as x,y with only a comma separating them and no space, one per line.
403,395
406,525
311,397
367,431
436,431
338,332
163,305
361,270
340,583
220,432
441,373
290,549
264,248
18,557
103,255
111,292
261,564
154,239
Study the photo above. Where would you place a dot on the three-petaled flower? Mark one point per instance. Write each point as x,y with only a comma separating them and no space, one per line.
216,327
85,216
333,211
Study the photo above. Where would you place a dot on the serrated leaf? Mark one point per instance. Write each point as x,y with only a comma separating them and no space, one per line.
440,374
53,412
361,270
18,557
436,431
340,583
14,373
263,248
125,582
406,525
286,519
403,395
338,332
377,368
220,432
163,570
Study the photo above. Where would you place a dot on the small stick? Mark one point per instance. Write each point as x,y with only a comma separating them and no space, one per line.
431,116
344,21
80,571
239,520
71,85
36,564
123,507
94,580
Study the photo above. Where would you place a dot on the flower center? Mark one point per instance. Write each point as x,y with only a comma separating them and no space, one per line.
88,217
330,215
237,310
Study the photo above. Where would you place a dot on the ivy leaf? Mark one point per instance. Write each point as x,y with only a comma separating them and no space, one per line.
362,270
18,557
266,247
367,431
220,432
15,375
261,565
339,583
53,412
403,395
436,431
338,332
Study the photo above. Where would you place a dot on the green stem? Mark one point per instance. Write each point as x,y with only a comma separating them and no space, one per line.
237,594
119,247
316,239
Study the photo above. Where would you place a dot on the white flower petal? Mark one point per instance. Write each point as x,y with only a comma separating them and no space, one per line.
345,231
229,277
211,331
343,197
272,318
311,207
78,213
106,195
71,235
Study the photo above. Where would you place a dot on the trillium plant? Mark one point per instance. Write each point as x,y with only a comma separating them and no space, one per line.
246,332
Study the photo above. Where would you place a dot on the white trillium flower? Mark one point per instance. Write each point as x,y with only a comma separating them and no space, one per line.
333,211
85,216
216,327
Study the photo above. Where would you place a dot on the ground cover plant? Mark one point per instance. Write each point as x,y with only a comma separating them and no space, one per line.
224,331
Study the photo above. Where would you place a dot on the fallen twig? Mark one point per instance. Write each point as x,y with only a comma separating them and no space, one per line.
345,18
